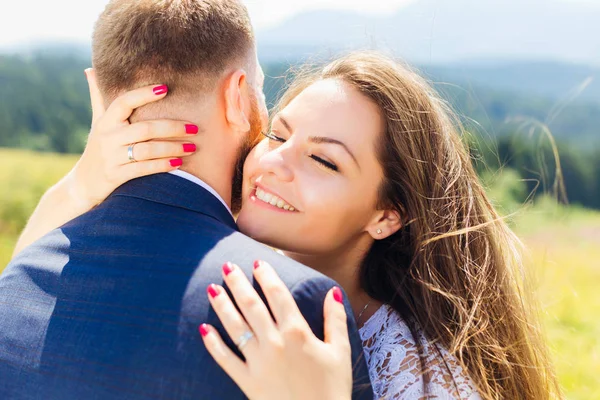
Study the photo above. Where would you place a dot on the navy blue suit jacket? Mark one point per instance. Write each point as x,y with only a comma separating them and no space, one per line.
108,306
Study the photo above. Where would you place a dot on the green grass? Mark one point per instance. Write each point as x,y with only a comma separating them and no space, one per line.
24,177
564,253
563,245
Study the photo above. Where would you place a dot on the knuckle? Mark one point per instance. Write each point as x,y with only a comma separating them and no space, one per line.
276,343
157,166
162,128
249,302
144,130
165,149
294,332
145,168
141,151
274,290
121,101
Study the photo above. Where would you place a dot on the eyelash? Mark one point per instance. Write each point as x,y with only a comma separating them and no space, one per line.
324,163
273,137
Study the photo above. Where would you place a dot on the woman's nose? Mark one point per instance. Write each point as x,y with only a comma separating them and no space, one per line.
275,163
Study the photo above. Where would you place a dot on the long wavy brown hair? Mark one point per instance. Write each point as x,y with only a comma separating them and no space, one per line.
454,270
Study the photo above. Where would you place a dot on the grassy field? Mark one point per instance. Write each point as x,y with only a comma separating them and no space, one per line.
24,177
564,250
563,254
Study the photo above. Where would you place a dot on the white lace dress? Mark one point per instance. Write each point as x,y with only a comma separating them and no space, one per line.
395,366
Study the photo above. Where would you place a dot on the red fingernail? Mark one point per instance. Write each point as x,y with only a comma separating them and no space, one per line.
213,290
256,264
203,330
189,147
227,268
337,295
176,162
162,89
191,129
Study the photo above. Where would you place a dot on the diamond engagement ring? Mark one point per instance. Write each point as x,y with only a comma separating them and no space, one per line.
243,340
130,153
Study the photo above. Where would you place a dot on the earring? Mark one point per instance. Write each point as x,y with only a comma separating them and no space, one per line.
379,231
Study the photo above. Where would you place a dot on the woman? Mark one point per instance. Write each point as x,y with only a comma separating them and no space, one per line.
364,177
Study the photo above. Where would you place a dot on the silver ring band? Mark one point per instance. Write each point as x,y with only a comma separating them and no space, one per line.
243,340
130,153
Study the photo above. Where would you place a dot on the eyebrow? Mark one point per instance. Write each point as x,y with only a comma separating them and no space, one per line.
320,139
284,122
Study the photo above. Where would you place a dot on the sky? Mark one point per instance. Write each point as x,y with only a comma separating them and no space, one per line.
73,20
27,20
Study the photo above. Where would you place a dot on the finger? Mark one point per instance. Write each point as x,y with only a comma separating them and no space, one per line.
96,97
232,320
278,296
156,150
158,129
253,308
336,328
144,168
231,363
122,107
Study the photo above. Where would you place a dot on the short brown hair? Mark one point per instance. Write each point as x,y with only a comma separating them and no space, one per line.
185,44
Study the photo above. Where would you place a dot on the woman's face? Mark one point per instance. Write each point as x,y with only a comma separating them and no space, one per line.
311,187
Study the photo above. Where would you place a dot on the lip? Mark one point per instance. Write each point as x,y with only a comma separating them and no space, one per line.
275,208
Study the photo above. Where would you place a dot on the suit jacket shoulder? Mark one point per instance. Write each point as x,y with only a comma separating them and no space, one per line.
108,306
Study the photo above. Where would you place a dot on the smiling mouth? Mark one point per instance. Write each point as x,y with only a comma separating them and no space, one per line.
273,200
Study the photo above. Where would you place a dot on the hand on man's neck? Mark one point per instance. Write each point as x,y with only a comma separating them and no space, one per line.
215,159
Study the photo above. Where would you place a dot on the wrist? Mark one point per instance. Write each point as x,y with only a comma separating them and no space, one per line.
75,193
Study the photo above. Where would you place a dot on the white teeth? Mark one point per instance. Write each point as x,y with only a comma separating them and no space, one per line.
273,200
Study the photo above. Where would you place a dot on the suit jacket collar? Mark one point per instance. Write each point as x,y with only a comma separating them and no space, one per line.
175,191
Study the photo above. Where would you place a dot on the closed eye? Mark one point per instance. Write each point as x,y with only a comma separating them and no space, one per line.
274,137
325,163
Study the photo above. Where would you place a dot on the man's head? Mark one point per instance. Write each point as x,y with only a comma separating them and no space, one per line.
203,50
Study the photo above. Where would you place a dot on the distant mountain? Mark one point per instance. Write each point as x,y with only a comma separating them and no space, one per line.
439,31
558,81
497,100
51,48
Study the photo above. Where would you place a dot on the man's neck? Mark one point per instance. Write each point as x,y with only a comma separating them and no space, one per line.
216,172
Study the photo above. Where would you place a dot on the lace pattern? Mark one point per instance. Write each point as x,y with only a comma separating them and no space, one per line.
397,370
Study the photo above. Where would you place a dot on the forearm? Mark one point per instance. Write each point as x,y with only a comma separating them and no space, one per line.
58,205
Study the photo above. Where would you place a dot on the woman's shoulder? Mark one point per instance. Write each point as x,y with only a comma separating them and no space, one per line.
403,364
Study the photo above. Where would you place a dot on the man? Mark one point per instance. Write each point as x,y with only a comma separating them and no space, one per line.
108,306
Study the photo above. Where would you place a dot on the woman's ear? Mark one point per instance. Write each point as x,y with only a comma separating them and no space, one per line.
237,101
384,224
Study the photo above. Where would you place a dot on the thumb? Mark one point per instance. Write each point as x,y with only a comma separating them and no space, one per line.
95,96
336,328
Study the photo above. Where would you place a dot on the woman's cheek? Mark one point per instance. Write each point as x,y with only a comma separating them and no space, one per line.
251,165
253,157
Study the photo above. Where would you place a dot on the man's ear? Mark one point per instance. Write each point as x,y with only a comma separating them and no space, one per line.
237,101
385,223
